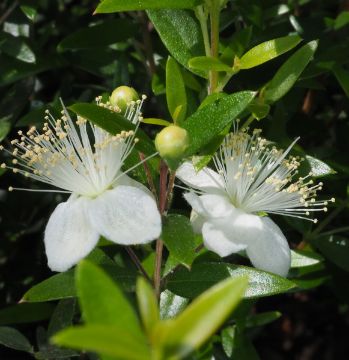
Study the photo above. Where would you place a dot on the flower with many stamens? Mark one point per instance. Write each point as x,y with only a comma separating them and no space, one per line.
85,161
251,179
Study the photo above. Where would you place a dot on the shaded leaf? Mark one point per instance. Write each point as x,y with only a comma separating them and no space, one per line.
13,339
203,275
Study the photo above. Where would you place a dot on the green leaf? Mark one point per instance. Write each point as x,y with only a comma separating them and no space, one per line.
107,33
203,275
318,167
268,50
110,340
102,301
179,238
289,72
237,345
29,12
209,121
171,304
147,303
262,319
201,319
180,32
154,121
13,339
25,313
5,127
62,286
175,91
62,316
304,258
206,64
259,110
110,6
113,123
342,77
17,48
335,248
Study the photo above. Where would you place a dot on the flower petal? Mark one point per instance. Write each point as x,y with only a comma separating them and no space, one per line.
217,237
265,244
69,236
206,179
210,205
125,215
268,249
197,221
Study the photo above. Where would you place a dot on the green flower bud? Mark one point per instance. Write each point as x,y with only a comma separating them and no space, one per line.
122,97
171,142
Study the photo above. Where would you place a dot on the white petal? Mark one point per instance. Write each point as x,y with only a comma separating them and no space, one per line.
206,179
265,244
217,237
125,215
208,206
69,236
268,248
197,221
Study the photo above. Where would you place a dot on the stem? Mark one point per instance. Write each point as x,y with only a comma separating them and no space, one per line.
170,188
159,242
200,14
8,12
148,45
148,175
214,20
137,262
248,122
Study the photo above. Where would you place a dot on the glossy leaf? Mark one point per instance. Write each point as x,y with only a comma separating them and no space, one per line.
171,304
209,121
175,91
107,33
111,6
201,319
203,275
17,48
304,258
113,123
180,32
289,72
179,238
13,339
109,340
318,167
147,304
268,50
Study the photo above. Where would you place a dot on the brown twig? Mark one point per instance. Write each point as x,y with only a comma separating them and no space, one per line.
137,262
8,12
149,176
159,242
148,45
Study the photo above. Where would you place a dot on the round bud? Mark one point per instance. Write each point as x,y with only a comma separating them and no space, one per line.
171,142
122,96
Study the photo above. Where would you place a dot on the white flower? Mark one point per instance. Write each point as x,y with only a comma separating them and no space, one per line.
250,178
104,200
